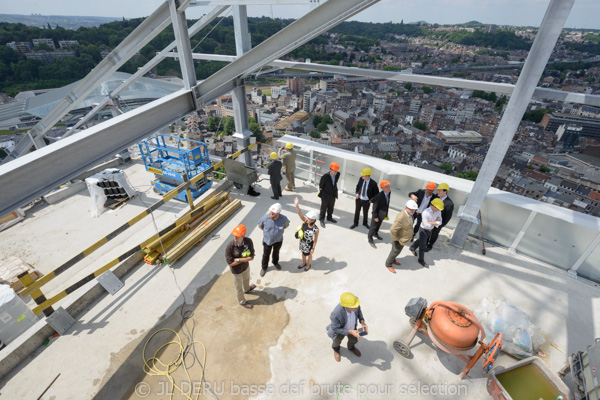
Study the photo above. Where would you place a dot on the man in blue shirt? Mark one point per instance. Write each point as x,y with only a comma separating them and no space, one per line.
272,225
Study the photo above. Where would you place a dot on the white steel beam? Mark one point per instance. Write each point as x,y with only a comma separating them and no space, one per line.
137,39
184,49
499,88
216,3
36,173
315,22
194,29
544,43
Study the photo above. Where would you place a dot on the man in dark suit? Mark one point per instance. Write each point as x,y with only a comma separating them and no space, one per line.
442,192
274,171
381,205
366,189
423,198
328,192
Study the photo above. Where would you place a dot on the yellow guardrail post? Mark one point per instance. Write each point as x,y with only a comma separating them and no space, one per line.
37,294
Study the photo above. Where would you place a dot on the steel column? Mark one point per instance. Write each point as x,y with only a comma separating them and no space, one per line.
545,40
184,48
238,95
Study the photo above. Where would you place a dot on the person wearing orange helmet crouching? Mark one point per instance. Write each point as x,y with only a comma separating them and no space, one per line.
381,205
328,192
238,254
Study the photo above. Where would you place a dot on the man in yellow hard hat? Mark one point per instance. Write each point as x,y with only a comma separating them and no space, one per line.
274,171
423,197
442,192
366,190
288,158
430,218
238,254
381,205
344,320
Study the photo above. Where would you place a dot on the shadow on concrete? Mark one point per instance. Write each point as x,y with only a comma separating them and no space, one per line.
373,354
271,295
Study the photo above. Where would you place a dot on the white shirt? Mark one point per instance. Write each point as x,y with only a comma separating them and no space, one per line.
429,216
365,186
351,320
424,203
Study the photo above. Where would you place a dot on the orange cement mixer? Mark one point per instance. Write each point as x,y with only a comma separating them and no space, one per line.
453,329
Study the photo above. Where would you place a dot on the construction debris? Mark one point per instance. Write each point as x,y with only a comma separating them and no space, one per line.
12,268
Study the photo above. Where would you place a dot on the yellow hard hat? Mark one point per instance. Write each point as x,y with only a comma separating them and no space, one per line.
349,300
443,186
438,203
366,171
289,145
273,155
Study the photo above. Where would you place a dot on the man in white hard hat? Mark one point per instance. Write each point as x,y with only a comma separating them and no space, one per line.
288,158
366,190
401,232
272,224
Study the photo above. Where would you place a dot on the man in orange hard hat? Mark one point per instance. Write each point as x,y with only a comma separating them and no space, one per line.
288,158
328,192
423,198
238,254
381,205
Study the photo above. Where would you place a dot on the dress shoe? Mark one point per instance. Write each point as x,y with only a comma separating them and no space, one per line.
322,223
356,352
333,221
414,253
423,263
372,243
278,267
252,287
377,237
247,305
288,190
263,271
337,356
366,226
428,248
391,269
275,198
353,226
396,262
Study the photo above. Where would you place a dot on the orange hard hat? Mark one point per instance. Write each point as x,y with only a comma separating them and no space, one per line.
239,230
430,186
384,184
334,166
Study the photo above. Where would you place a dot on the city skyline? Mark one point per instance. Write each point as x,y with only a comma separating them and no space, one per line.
500,12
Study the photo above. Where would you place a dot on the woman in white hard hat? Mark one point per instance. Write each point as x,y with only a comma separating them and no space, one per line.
309,235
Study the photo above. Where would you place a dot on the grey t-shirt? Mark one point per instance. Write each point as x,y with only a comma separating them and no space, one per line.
273,228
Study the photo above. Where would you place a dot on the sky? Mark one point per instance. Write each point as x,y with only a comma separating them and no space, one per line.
585,13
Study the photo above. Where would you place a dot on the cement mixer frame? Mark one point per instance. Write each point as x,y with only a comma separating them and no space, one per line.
420,322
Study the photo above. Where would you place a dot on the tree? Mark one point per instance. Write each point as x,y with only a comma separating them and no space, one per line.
256,130
428,90
315,134
387,156
229,125
447,167
408,86
213,123
470,175
420,125
316,120
322,127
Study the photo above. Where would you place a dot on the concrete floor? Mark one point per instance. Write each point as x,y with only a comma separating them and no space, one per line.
279,349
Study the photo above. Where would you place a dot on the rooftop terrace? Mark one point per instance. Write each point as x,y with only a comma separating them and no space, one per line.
280,344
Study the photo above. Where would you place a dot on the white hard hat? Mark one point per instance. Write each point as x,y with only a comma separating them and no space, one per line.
412,205
275,208
312,215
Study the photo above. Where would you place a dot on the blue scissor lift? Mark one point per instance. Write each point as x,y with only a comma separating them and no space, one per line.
173,164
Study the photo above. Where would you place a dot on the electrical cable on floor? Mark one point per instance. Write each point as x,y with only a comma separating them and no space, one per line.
185,350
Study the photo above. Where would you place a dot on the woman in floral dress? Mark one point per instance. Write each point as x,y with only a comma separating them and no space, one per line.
310,234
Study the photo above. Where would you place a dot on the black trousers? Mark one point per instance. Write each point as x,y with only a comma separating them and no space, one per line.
374,228
276,186
337,341
417,217
364,205
421,243
434,236
327,204
267,253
